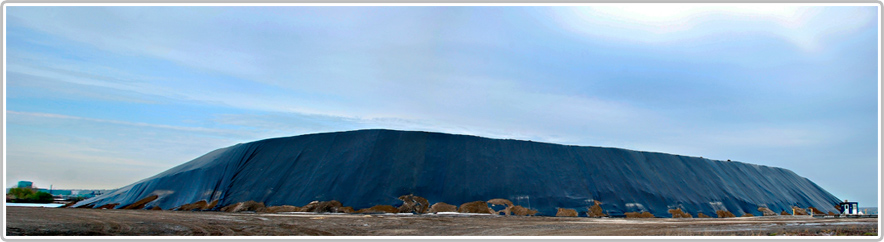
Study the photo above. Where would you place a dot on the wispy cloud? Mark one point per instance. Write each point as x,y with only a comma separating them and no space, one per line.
169,127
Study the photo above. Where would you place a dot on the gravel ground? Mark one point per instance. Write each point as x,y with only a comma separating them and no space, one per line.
25,221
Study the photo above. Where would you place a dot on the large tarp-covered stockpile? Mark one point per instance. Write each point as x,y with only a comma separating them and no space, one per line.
364,168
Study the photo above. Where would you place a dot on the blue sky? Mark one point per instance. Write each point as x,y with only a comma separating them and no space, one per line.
100,97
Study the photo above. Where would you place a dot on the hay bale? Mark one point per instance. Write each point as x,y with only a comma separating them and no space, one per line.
725,214
566,212
413,204
253,206
230,208
244,206
211,205
282,208
322,207
798,211
639,215
595,211
140,203
475,207
748,215
379,209
499,205
701,215
677,213
784,213
831,213
156,208
518,210
815,211
766,211
442,207
344,210
500,201
199,205
108,206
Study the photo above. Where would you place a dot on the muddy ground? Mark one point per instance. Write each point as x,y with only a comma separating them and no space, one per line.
83,222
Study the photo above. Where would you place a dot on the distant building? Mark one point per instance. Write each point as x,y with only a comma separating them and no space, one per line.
62,193
25,184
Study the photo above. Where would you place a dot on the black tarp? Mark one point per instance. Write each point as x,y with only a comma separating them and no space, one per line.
370,167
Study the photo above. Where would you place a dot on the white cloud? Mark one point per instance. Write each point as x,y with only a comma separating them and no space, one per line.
808,28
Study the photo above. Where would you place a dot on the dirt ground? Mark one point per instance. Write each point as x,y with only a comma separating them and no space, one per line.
82,222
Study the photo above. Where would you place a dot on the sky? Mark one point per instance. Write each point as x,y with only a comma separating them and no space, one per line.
101,97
